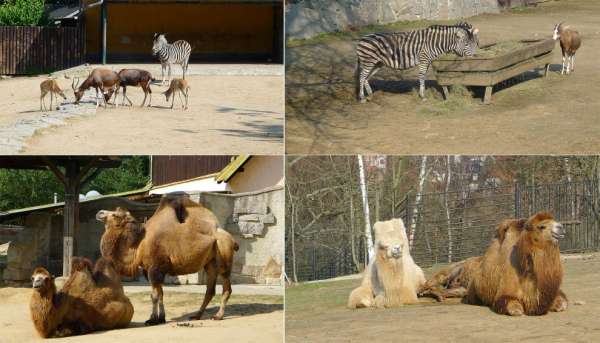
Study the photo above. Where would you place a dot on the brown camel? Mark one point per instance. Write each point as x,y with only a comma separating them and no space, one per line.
521,272
181,237
90,300
452,281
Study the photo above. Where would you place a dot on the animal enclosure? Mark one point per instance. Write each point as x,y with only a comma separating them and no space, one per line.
28,50
465,227
490,67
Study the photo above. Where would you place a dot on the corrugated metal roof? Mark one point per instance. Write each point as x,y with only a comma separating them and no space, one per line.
232,168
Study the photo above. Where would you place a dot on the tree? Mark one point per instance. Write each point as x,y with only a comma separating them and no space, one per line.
25,188
22,13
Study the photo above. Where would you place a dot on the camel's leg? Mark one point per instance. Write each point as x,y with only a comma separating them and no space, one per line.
211,273
224,298
560,303
158,310
508,304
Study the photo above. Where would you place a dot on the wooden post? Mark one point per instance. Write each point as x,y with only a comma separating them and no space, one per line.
446,92
71,214
487,98
103,28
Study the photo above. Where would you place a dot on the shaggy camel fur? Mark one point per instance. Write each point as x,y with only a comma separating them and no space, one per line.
521,272
90,300
392,278
452,281
181,237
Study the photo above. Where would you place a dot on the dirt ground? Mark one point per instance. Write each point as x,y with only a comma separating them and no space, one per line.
532,115
318,308
248,318
228,113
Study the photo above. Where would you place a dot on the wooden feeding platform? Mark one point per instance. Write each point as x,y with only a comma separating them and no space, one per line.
492,64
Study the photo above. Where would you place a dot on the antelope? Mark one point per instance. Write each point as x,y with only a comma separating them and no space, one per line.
136,78
101,79
50,86
570,41
181,86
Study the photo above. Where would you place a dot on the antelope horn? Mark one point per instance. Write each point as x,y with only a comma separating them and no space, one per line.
75,83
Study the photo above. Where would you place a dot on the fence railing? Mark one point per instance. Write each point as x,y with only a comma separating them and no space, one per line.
33,50
452,226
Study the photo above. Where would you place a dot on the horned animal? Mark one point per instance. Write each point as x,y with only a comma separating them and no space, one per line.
50,86
180,86
570,41
102,80
136,78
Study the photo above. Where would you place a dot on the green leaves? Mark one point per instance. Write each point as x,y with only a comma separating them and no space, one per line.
22,13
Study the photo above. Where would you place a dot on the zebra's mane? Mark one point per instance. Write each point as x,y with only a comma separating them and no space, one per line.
462,25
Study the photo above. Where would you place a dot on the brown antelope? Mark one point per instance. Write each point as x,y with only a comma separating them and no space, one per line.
102,80
136,78
50,86
570,41
180,86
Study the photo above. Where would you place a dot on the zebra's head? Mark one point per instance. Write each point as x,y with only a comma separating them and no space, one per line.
467,40
159,41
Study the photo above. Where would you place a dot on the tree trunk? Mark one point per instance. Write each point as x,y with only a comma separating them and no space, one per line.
415,214
448,180
365,200
353,237
292,229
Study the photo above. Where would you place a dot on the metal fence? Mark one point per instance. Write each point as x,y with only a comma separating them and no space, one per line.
33,50
451,226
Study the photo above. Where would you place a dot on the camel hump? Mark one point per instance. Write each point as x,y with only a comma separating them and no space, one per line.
179,203
81,263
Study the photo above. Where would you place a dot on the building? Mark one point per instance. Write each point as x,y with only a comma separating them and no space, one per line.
245,193
223,31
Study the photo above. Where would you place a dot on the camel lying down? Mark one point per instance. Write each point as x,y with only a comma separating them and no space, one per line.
520,273
91,299
181,237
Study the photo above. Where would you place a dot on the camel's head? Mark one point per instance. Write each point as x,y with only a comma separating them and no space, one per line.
543,228
41,279
390,238
117,219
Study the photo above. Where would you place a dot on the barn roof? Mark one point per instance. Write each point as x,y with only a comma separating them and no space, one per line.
232,168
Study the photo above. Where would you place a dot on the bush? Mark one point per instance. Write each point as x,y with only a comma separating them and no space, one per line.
22,13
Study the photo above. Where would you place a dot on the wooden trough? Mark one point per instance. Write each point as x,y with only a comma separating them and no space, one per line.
489,71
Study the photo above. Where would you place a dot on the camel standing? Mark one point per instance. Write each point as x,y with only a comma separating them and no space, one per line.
181,237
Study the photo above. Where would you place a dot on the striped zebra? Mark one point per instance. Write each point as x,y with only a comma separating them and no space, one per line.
176,53
403,50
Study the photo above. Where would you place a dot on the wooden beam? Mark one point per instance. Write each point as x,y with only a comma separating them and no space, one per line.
54,169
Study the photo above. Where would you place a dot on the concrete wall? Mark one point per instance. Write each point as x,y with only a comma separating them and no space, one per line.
307,18
256,250
28,250
260,172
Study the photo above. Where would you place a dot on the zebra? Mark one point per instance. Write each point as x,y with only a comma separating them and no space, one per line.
176,53
403,50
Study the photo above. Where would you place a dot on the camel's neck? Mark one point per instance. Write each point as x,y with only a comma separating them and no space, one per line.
44,313
543,263
122,248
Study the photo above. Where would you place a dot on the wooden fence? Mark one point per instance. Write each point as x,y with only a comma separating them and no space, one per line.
32,50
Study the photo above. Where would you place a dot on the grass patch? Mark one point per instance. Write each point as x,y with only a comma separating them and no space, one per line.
318,295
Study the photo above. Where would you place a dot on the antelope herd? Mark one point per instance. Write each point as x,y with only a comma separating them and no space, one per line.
108,82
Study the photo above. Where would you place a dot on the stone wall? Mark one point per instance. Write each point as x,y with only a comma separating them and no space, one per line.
307,18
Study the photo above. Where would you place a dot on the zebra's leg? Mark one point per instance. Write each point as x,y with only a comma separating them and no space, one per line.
363,82
422,76
169,74
368,85
162,70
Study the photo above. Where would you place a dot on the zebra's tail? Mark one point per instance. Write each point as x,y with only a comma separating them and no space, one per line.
357,78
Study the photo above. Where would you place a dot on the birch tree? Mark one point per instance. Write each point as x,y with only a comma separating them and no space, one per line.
413,223
365,201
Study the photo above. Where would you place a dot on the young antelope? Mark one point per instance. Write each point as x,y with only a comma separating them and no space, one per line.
180,86
50,86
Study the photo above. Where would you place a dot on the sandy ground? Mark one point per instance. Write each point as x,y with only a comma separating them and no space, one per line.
248,318
232,109
318,308
533,115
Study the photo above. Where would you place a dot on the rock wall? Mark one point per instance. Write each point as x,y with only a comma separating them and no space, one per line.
307,18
